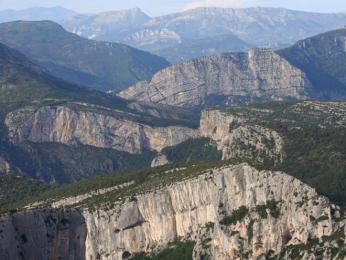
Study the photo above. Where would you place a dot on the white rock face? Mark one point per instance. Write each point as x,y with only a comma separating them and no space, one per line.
4,166
159,160
257,74
194,209
153,36
182,209
255,26
237,139
72,127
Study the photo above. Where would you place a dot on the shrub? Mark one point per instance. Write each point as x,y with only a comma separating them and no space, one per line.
262,211
236,216
177,250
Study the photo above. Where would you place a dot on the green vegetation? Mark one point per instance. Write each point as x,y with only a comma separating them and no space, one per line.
271,205
333,243
316,156
17,188
25,85
322,218
337,236
177,250
61,164
234,125
274,209
193,150
262,211
250,230
295,251
209,226
237,215
312,153
142,181
323,59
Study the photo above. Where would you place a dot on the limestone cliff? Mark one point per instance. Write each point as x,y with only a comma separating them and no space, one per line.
47,234
62,124
259,74
4,166
159,160
180,210
278,211
237,138
238,132
72,126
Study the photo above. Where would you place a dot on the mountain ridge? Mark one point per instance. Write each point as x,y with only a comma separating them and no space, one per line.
230,78
257,27
27,92
56,13
312,68
101,65
323,58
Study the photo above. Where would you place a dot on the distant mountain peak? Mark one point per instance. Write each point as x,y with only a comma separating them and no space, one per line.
56,13
43,25
126,12
100,65
57,7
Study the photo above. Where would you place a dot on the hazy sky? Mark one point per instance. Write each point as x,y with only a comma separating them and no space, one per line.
157,7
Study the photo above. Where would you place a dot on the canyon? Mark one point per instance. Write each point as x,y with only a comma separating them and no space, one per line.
279,213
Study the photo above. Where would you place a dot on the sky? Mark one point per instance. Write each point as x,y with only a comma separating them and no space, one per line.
160,7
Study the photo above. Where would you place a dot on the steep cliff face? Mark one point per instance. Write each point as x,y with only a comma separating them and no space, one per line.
180,210
46,234
72,127
237,138
258,74
25,89
159,160
150,36
230,211
4,166
231,133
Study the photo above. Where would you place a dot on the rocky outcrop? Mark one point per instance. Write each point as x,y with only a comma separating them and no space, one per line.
154,36
46,234
236,138
233,135
69,126
277,211
4,166
332,113
259,74
181,210
159,160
